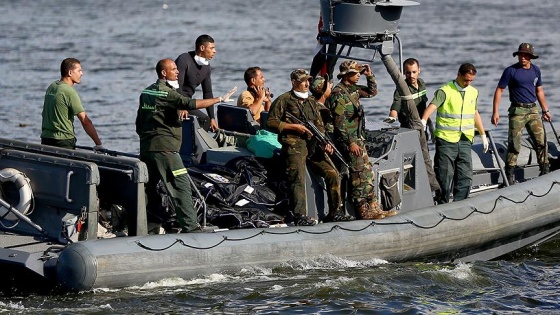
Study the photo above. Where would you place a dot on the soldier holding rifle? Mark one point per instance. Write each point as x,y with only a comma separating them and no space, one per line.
298,151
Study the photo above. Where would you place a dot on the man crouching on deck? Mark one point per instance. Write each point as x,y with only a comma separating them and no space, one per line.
299,150
159,128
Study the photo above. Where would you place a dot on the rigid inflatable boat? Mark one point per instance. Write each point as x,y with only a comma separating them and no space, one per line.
43,247
53,200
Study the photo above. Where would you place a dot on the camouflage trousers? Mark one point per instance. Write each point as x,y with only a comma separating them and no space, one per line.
530,119
296,157
361,176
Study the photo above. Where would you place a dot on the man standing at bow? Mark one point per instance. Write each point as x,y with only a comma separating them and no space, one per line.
525,88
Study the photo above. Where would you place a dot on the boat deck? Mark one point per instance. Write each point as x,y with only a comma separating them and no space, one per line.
30,244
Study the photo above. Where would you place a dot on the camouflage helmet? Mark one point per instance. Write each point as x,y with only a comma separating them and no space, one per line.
319,84
300,75
526,48
348,66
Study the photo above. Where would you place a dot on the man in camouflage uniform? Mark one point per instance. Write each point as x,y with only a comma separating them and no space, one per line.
525,88
349,125
299,150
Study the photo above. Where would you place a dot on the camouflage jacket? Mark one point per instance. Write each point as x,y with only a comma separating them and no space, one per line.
304,109
348,115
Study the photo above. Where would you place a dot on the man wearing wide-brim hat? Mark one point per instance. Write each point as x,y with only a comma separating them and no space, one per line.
349,135
525,88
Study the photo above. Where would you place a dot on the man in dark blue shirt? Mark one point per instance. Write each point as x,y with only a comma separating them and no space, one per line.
524,82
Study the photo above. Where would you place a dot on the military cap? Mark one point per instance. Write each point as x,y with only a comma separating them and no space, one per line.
319,84
300,75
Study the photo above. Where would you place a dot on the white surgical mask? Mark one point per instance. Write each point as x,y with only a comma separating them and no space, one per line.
173,84
201,61
303,95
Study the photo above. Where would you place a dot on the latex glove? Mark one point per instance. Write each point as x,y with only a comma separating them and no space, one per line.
424,123
484,144
98,149
389,120
226,97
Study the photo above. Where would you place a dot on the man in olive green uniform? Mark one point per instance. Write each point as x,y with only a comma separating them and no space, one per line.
417,87
457,117
159,128
349,135
299,150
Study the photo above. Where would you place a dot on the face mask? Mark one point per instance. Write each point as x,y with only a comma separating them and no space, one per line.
173,84
201,61
303,95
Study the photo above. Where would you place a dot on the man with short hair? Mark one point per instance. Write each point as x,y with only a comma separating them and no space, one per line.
417,87
61,104
159,127
456,119
256,98
299,150
525,88
194,70
349,135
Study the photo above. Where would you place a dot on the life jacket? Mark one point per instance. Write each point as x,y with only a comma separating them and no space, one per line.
456,116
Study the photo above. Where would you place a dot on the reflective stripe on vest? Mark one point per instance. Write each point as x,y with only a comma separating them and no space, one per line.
456,116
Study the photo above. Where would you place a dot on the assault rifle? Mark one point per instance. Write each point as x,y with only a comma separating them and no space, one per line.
322,139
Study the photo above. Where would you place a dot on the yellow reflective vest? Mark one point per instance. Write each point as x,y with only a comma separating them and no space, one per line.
456,115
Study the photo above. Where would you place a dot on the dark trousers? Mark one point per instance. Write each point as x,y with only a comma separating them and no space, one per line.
453,168
168,167
434,184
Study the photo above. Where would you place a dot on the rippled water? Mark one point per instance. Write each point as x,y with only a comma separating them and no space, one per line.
119,43
527,284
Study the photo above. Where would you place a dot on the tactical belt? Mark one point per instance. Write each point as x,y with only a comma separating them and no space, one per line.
524,105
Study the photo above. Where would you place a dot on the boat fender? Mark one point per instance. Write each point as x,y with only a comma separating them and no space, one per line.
76,268
25,193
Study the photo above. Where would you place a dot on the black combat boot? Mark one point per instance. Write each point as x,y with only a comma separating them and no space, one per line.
338,216
510,175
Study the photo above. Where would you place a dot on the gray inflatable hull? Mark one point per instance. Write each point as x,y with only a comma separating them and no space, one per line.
479,228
